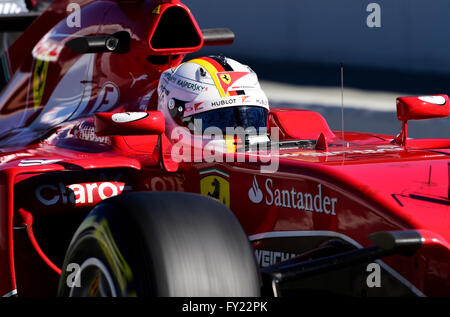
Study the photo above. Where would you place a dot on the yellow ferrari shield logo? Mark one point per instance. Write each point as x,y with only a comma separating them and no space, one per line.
216,187
157,10
39,78
226,78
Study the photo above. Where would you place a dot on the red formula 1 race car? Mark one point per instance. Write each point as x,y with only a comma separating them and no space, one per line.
125,171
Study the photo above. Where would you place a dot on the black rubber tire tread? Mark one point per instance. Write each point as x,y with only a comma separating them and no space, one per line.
177,244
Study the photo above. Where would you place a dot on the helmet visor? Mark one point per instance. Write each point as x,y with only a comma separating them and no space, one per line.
245,117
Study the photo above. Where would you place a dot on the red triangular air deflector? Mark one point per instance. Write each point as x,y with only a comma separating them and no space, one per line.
227,79
321,144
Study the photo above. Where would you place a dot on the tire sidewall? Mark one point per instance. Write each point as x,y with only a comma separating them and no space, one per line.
167,244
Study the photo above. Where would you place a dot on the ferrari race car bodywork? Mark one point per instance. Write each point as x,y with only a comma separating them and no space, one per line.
66,147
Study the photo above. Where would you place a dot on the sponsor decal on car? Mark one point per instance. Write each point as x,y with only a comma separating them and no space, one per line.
191,85
135,80
107,98
224,102
262,102
215,183
292,198
86,132
164,183
255,193
267,258
83,194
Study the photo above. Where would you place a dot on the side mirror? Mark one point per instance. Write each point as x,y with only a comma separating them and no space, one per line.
425,107
419,108
137,123
129,123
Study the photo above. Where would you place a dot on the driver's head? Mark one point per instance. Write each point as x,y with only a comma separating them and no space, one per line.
215,91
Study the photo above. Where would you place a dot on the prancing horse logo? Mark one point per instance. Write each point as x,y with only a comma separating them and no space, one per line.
226,78
216,187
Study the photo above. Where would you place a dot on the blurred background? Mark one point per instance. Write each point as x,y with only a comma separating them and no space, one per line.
388,49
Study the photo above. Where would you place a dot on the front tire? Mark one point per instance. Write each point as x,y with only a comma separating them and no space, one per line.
160,244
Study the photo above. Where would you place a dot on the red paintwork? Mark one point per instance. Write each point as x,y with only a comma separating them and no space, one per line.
412,108
289,120
416,108
371,183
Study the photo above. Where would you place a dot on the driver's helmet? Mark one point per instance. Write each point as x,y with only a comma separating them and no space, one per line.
213,91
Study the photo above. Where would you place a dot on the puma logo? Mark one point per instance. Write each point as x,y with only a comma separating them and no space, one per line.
135,80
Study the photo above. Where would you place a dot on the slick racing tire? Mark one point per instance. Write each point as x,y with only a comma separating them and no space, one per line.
160,244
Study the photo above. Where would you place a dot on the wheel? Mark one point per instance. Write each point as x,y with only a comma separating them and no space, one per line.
160,244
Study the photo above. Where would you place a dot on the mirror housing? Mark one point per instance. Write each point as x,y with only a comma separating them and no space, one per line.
423,107
138,123
419,108
129,123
